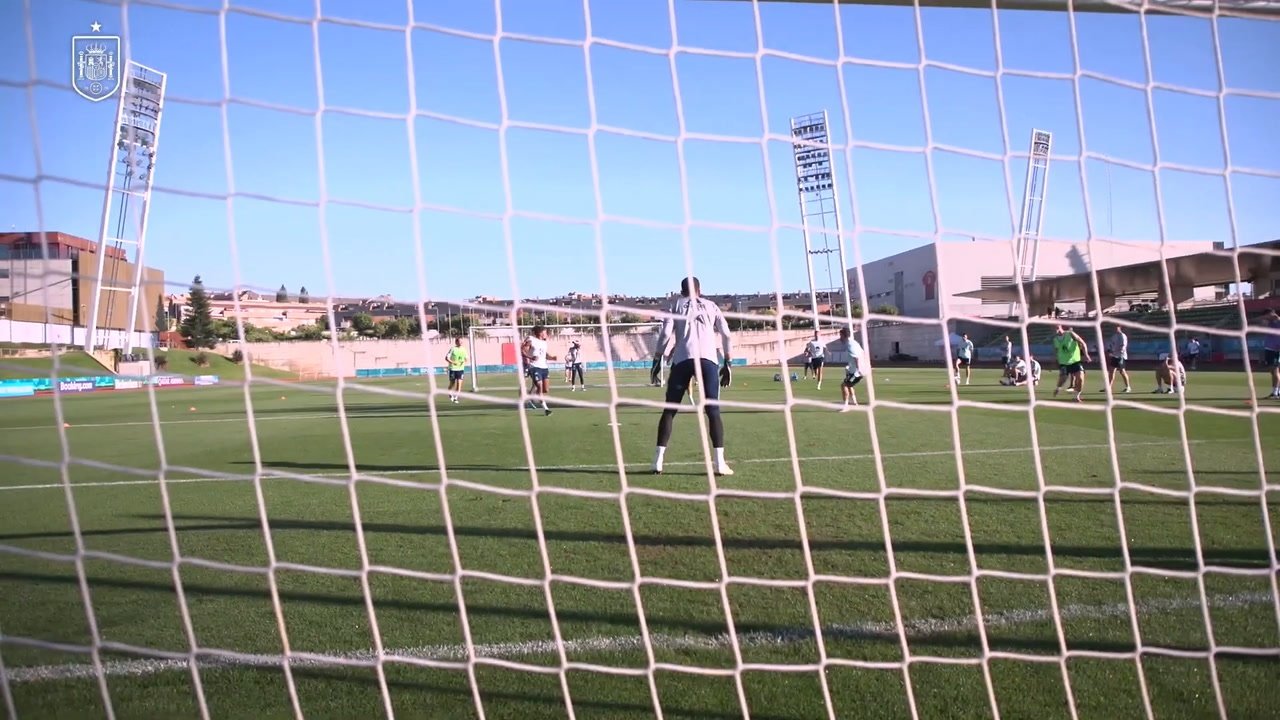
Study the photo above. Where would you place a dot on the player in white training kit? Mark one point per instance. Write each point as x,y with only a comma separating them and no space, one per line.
964,359
535,351
852,370
1171,376
688,338
573,367
1117,358
815,358
1020,374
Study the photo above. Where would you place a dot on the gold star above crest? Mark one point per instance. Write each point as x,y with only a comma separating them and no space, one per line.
95,27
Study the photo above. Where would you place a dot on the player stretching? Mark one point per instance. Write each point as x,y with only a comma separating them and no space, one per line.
1020,373
535,350
852,369
573,367
964,359
1171,376
1271,351
689,339
814,353
1117,356
1069,346
456,359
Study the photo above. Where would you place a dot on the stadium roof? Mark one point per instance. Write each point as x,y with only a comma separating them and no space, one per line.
1197,270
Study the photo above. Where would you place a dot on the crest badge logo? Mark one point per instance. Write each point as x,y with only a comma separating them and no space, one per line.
95,65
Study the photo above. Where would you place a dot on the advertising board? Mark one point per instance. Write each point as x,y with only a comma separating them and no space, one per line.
168,380
206,380
77,385
16,390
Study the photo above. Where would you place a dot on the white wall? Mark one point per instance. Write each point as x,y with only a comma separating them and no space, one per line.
28,281
45,334
319,357
915,265
920,340
957,267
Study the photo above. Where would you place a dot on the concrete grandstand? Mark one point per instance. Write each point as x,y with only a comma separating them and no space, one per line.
1201,285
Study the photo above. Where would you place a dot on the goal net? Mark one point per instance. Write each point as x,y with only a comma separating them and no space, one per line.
908,527
613,355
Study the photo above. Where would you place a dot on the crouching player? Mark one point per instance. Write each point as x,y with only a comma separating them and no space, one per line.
853,368
1021,372
1171,376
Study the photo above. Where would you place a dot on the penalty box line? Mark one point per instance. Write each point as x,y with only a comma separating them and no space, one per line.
609,466
884,631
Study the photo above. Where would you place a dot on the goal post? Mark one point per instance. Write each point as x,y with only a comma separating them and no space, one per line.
870,534
621,350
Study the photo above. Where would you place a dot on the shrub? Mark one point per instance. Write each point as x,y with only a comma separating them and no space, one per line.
201,359
162,361
237,357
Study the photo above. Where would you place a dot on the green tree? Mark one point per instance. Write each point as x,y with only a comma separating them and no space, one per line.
226,330
887,310
310,331
282,295
386,329
304,297
162,315
197,326
362,323
257,334
460,324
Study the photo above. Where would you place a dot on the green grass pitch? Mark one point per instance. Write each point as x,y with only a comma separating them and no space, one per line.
656,586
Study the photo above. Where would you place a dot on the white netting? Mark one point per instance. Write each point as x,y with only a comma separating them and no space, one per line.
929,557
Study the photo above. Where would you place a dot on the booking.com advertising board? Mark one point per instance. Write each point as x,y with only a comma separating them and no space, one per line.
28,387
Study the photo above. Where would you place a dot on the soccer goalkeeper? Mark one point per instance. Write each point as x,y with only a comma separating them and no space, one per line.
688,338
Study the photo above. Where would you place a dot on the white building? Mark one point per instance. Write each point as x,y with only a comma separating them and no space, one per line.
918,282
925,281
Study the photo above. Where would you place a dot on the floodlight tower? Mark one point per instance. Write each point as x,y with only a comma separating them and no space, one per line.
128,201
819,206
1027,244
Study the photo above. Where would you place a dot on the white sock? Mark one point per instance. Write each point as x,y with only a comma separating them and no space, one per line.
719,457
659,453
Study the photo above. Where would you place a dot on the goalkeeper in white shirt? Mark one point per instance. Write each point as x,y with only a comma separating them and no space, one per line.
688,339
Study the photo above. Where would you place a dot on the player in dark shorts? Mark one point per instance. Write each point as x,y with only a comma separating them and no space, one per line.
693,336
1271,351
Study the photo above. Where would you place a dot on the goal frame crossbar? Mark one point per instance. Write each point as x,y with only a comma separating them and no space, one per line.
519,332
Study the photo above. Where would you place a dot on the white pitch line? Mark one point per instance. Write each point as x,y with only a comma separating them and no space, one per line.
602,466
631,643
869,456
268,418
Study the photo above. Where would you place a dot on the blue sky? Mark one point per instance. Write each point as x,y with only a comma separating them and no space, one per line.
446,68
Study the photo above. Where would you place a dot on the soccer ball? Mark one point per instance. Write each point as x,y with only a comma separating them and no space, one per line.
777,377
